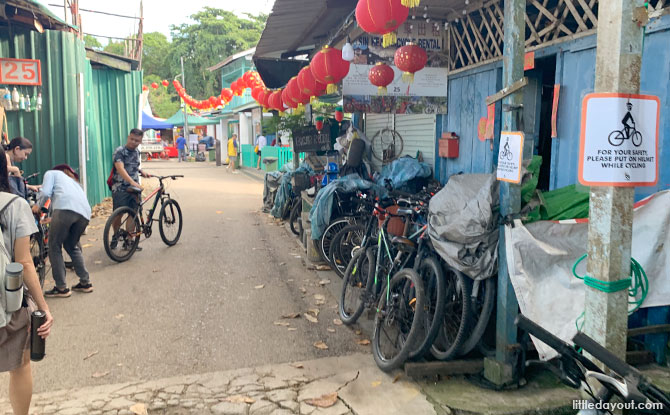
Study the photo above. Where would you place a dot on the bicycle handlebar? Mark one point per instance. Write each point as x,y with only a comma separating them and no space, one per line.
173,177
32,176
622,368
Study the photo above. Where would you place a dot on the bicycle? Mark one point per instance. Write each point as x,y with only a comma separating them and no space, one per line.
125,226
574,370
39,241
617,137
506,154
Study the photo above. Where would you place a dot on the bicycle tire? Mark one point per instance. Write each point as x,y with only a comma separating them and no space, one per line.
166,216
448,342
132,215
356,275
481,308
295,218
618,135
399,315
38,253
343,247
636,138
435,291
328,235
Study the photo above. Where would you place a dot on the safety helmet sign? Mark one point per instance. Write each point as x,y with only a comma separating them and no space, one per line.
619,140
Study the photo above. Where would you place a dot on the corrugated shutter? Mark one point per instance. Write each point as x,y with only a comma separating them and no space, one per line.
418,134
374,123
417,131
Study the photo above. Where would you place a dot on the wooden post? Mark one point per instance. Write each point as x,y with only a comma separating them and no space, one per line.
618,63
500,370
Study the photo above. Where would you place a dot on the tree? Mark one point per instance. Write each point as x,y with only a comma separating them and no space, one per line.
164,101
92,42
156,48
216,35
117,48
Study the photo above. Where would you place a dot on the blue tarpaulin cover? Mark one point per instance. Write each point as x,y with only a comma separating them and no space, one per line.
322,209
284,192
402,171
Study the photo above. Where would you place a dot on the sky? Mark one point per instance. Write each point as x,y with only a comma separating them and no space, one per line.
159,15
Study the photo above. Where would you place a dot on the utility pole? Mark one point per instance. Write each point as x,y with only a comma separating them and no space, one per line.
140,37
183,82
500,370
618,63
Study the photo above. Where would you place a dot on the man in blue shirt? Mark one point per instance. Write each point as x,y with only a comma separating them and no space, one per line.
70,217
181,147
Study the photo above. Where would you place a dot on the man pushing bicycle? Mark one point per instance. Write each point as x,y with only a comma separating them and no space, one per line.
126,176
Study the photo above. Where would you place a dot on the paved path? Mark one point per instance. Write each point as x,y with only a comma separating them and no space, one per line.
210,303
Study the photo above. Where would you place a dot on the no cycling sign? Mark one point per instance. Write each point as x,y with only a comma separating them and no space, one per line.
619,140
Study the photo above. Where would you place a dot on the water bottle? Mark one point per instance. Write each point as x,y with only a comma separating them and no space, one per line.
37,344
13,287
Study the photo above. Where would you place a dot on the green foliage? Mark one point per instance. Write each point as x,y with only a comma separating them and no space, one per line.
215,35
117,48
164,101
92,42
156,48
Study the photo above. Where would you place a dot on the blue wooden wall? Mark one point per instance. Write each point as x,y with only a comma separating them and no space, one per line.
575,72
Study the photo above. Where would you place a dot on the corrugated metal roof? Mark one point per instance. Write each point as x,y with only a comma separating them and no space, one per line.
232,58
296,24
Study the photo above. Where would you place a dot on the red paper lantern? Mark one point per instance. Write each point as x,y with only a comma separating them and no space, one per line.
276,102
255,93
410,59
339,114
154,85
329,68
227,94
287,100
319,123
145,88
381,17
214,101
165,83
295,93
381,76
307,84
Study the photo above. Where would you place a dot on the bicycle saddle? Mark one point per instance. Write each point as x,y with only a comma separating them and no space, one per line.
404,244
404,212
133,189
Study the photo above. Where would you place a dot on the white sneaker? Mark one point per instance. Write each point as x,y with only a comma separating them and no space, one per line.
235,172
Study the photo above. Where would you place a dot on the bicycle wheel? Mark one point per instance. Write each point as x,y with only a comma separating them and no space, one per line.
295,220
509,156
38,253
637,139
397,319
616,138
451,335
355,286
344,246
329,234
170,222
482,300
120,244
431,275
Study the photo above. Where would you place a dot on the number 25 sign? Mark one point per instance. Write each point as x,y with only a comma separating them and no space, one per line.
20,71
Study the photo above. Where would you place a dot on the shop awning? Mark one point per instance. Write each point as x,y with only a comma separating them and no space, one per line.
193,120
151,123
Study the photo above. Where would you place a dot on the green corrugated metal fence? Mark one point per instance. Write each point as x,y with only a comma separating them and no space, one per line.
111,105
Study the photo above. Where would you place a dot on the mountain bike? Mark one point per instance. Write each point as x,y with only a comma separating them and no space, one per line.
574,370
617,137
125,226
39,241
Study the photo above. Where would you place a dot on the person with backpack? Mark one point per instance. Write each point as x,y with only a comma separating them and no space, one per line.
70,217
17,223
18,151
125,174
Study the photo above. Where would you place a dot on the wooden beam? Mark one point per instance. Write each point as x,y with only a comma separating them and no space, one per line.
454,367
472,46
479,39
655,329
491,33
461,46
533,33
108,61
516,86
576,15
589,13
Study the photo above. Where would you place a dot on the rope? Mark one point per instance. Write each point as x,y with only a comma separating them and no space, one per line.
637,285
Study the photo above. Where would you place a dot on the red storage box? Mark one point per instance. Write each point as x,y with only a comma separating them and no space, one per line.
448,145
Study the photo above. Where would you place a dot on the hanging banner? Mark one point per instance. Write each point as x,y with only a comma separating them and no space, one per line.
554,112
425,35
510,156
426,95
619,140
490,121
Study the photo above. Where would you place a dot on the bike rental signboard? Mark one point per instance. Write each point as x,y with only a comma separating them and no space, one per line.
619,140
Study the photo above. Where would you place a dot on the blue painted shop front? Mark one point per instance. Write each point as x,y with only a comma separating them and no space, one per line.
572,66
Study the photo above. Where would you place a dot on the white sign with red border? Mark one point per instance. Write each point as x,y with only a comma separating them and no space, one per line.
510,156
619,140
20,71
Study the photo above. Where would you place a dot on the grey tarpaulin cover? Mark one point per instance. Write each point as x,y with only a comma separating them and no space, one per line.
322,209
270,190
284,192
463,224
